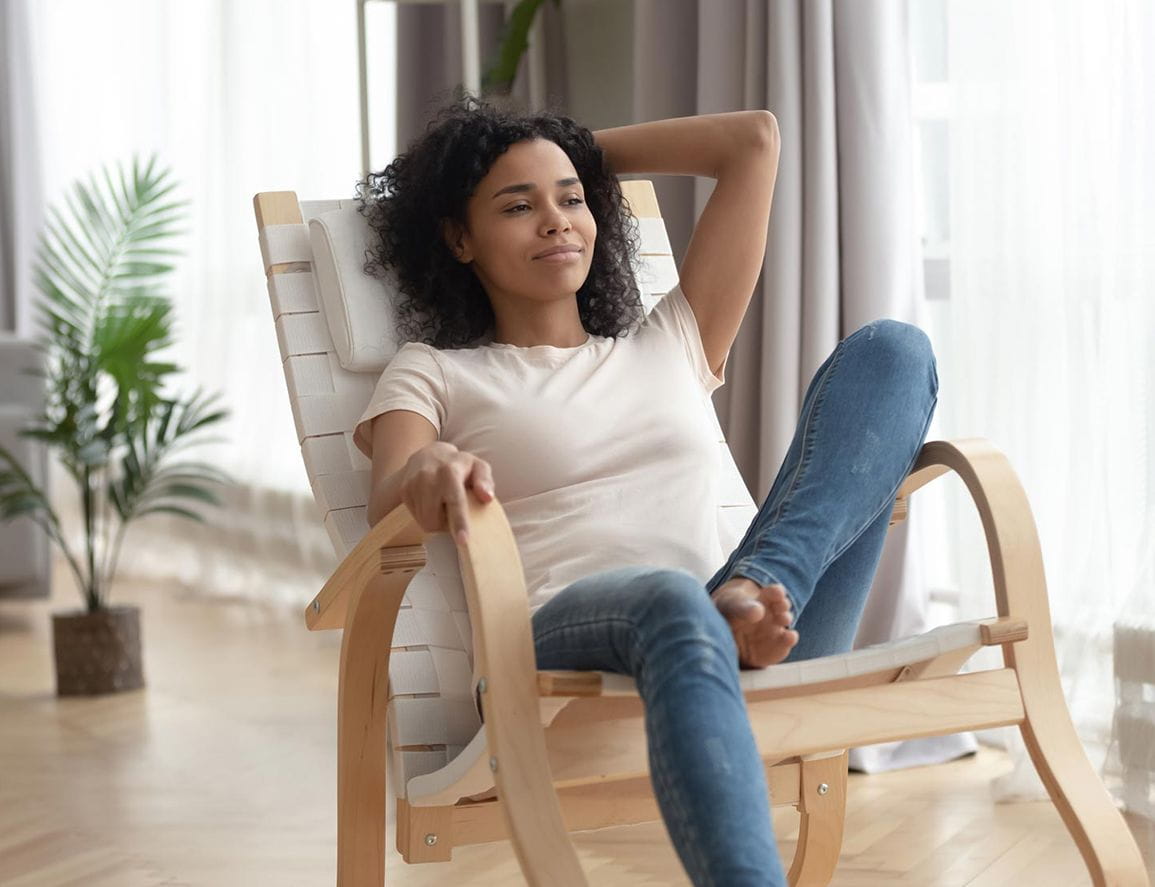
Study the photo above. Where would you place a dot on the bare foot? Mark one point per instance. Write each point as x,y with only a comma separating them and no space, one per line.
759,618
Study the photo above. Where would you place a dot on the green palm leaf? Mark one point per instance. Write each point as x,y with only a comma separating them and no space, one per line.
100,265
110,246
100,273
144,481
175,509
18,494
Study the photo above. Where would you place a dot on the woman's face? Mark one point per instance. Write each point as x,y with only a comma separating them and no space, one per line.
530,200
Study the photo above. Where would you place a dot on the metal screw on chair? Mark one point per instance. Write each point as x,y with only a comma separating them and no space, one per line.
493,764
316,606
823,789
431,839
481,685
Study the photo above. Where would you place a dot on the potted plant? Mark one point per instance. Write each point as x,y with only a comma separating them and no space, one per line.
100,267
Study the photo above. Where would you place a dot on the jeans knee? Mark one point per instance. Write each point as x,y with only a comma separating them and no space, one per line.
672,590
906,343
677,607
900,335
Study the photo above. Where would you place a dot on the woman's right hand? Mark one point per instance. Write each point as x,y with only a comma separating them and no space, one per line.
434,484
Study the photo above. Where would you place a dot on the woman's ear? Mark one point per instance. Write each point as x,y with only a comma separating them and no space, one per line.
455,240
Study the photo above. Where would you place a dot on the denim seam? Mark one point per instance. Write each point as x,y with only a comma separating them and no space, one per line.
767,578
805,419
808,448
803,462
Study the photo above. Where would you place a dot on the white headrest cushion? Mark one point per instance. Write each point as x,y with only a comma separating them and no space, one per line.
358,307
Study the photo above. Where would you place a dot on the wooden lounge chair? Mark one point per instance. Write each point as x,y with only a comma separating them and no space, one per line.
564,751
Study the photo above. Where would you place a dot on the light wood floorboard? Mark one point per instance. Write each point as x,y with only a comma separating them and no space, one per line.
221,773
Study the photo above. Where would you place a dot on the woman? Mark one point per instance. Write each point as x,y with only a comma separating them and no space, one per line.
543,377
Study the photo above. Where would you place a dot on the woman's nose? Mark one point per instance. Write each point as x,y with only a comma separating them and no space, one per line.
558,222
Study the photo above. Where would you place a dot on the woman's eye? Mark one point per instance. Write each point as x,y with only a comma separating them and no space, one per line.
526,205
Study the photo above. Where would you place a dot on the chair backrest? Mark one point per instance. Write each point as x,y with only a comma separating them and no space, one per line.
432,715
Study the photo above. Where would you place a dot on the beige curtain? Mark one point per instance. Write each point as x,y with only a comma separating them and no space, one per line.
842,247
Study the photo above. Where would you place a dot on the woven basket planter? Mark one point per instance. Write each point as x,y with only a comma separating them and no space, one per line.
97,652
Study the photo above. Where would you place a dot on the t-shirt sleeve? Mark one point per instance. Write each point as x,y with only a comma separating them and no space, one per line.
674,315
413,380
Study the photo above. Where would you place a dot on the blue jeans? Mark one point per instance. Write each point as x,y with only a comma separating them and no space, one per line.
820,533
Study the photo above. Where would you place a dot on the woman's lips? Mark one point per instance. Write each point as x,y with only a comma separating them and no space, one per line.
560,258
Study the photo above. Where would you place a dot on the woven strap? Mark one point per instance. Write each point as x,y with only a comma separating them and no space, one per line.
285,243
655,239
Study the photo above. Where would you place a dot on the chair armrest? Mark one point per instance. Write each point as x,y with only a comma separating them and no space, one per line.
395,541
504,657
503,652
1012,537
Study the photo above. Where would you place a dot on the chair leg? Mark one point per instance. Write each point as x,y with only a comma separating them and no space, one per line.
363,694
1109,850
822,806
1107,845
424,834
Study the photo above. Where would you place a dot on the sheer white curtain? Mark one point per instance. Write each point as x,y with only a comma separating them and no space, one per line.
236,98
1052,319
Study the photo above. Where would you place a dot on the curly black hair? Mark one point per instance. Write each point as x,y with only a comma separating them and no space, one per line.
407,203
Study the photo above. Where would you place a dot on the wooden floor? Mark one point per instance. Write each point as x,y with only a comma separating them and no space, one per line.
221,773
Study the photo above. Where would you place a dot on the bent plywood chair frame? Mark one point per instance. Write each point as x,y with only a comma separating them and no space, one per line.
565,751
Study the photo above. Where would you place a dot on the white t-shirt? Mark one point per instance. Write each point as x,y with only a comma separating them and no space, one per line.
602,454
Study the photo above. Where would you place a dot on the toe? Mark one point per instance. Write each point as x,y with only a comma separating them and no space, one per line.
741,607
775,597
754,611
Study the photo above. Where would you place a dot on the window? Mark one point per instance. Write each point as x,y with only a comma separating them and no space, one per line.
929,111
930,108
381,82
